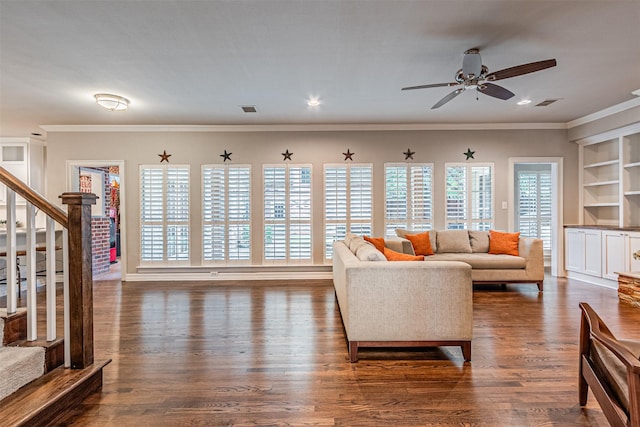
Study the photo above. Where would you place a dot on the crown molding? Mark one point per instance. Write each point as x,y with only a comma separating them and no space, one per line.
615,109
303,127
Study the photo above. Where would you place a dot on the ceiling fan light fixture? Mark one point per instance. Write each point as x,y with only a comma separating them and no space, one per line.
524,102
636,92
111,102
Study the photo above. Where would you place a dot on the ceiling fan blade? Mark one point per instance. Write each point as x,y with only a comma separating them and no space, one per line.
448,98
472,64
519,70
496,91
431,85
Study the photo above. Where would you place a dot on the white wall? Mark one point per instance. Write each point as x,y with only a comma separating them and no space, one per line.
318,147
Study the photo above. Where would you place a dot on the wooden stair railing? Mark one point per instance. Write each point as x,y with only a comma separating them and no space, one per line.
77,261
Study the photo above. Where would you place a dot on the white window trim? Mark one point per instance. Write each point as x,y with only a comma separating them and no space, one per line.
287,220
165,223
410,222
226,223
348,221
469,221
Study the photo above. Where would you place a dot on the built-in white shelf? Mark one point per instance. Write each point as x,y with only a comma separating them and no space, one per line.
597,184
601,205
632,165
632,193
600,164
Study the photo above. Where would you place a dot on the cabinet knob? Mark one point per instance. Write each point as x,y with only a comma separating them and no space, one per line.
636,255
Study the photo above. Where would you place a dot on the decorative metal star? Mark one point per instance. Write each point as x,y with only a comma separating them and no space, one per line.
226,156
287,155
164,156
348,155
409,154
469,154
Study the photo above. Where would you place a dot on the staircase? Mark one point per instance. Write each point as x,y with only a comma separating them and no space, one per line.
42,378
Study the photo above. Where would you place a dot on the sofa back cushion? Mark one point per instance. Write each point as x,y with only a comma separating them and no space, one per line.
453,241
479,241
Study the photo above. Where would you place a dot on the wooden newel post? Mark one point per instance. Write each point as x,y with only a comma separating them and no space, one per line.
80,278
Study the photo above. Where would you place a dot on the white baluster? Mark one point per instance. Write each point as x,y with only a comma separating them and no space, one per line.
51,279
32,309
12,265
65,292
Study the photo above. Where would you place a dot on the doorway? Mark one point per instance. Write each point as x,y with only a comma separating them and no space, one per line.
105,178
535,201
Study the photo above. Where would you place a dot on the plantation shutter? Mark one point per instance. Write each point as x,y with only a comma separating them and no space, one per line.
408,197
469,196
534,205
348,202
164,207
226,215
287,213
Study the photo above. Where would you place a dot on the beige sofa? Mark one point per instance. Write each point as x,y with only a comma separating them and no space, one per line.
401,303
472,247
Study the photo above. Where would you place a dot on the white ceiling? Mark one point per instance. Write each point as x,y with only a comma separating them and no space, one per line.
195,62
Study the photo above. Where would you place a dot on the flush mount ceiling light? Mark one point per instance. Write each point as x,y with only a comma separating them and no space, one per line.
313,102
111,102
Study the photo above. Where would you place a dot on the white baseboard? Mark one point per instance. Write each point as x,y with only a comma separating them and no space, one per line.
262,275
599,281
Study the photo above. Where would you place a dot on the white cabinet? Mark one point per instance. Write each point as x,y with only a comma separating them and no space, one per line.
583,251
618,249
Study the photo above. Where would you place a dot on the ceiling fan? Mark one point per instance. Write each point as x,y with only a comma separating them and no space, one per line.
475,75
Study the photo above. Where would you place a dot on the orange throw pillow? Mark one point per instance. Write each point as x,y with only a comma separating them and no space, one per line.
503,243
378,242
421,243
397,256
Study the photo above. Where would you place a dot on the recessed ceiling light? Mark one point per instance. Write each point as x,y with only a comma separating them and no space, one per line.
524,102
313,102
111,102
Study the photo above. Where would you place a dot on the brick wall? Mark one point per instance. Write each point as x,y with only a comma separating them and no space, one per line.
100,244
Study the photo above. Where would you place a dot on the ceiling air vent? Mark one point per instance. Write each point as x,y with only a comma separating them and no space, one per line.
249,108
546,102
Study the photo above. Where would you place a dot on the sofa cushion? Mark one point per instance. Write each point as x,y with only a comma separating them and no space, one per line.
397,256
614,371
348,238
421,243
356,242
479,241
503,243
368,252
453,241
378,242
401,232
480,261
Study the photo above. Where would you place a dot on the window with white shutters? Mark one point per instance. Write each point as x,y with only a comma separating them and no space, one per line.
226,214
408,197
469,196
287,213
534,205
347,202
164,214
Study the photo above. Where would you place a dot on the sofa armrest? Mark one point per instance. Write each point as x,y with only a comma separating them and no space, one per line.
399,244
530,248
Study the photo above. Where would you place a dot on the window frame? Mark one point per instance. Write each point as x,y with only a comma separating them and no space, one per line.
226,221
348,220
287,221
411,222
469,221
165,223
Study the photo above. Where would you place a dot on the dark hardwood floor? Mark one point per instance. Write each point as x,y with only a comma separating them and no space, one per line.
274,353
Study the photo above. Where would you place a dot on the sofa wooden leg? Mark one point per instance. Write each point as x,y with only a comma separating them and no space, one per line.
466,351
353,351
540,285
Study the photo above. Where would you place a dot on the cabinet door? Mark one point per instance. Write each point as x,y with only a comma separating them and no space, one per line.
634,251
613,254
593,252
574,250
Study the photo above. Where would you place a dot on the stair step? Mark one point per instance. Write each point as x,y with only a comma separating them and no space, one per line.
48,398
19,366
